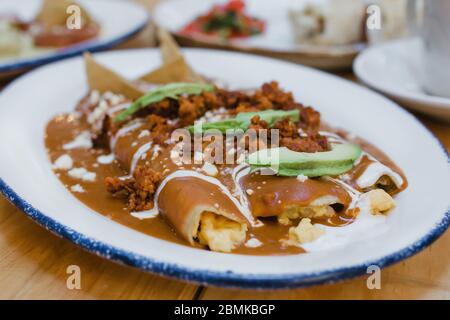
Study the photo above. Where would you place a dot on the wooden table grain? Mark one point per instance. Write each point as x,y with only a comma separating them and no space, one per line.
34,262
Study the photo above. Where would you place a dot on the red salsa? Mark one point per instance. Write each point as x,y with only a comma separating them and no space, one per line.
226,21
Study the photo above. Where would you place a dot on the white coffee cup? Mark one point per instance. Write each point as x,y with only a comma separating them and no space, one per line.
433,27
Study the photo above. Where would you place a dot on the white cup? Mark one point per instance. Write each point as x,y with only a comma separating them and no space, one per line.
433,27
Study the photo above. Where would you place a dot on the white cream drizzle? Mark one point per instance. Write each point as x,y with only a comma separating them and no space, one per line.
240,198
354,194
138,154
334,137
123,131
82,141
189,173
374,172
117,108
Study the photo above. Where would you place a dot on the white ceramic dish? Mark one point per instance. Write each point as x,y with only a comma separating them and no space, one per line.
107,13
277,41
394,69
27,180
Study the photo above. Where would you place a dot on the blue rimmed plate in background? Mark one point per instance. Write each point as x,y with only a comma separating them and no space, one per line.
118,20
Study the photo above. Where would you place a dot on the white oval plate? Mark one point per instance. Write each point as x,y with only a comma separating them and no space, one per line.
278,40
108,13
394,69
27,180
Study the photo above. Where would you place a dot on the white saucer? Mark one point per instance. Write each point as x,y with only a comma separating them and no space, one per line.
393,69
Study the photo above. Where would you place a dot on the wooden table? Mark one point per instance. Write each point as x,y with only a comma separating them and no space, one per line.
33,263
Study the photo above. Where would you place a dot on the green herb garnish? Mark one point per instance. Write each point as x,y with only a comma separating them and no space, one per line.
172,90
243,119
269,116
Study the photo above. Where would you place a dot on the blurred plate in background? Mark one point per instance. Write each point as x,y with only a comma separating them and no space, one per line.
393,69
118,20
277,41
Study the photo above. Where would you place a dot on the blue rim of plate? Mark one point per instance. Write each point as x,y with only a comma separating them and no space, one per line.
229,278
91,46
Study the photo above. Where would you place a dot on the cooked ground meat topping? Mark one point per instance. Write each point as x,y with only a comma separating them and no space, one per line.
161,118
138,189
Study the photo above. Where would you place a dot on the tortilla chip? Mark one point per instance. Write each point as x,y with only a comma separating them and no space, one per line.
102,79
170,51
54,13
174,67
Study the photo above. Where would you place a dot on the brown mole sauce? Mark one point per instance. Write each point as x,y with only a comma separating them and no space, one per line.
369,148
64,128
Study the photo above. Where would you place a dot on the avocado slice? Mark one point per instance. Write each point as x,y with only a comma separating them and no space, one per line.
285,162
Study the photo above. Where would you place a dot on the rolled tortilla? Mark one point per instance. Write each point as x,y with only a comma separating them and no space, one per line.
200,212
291,198
370,174
377,175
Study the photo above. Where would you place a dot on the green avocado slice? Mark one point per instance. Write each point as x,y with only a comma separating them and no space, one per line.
285,162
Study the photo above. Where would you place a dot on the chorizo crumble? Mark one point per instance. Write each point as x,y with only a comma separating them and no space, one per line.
169,114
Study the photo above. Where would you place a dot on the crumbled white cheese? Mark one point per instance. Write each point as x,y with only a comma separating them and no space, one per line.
198,156
305,232
64,162
210,169
249,192
253,243
302,133
143,133
155,152
82,174
231,151
172,122
100,110
175,156
94,97
241,158
378,201
302,177
106,159
77,188
83,140
113,98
